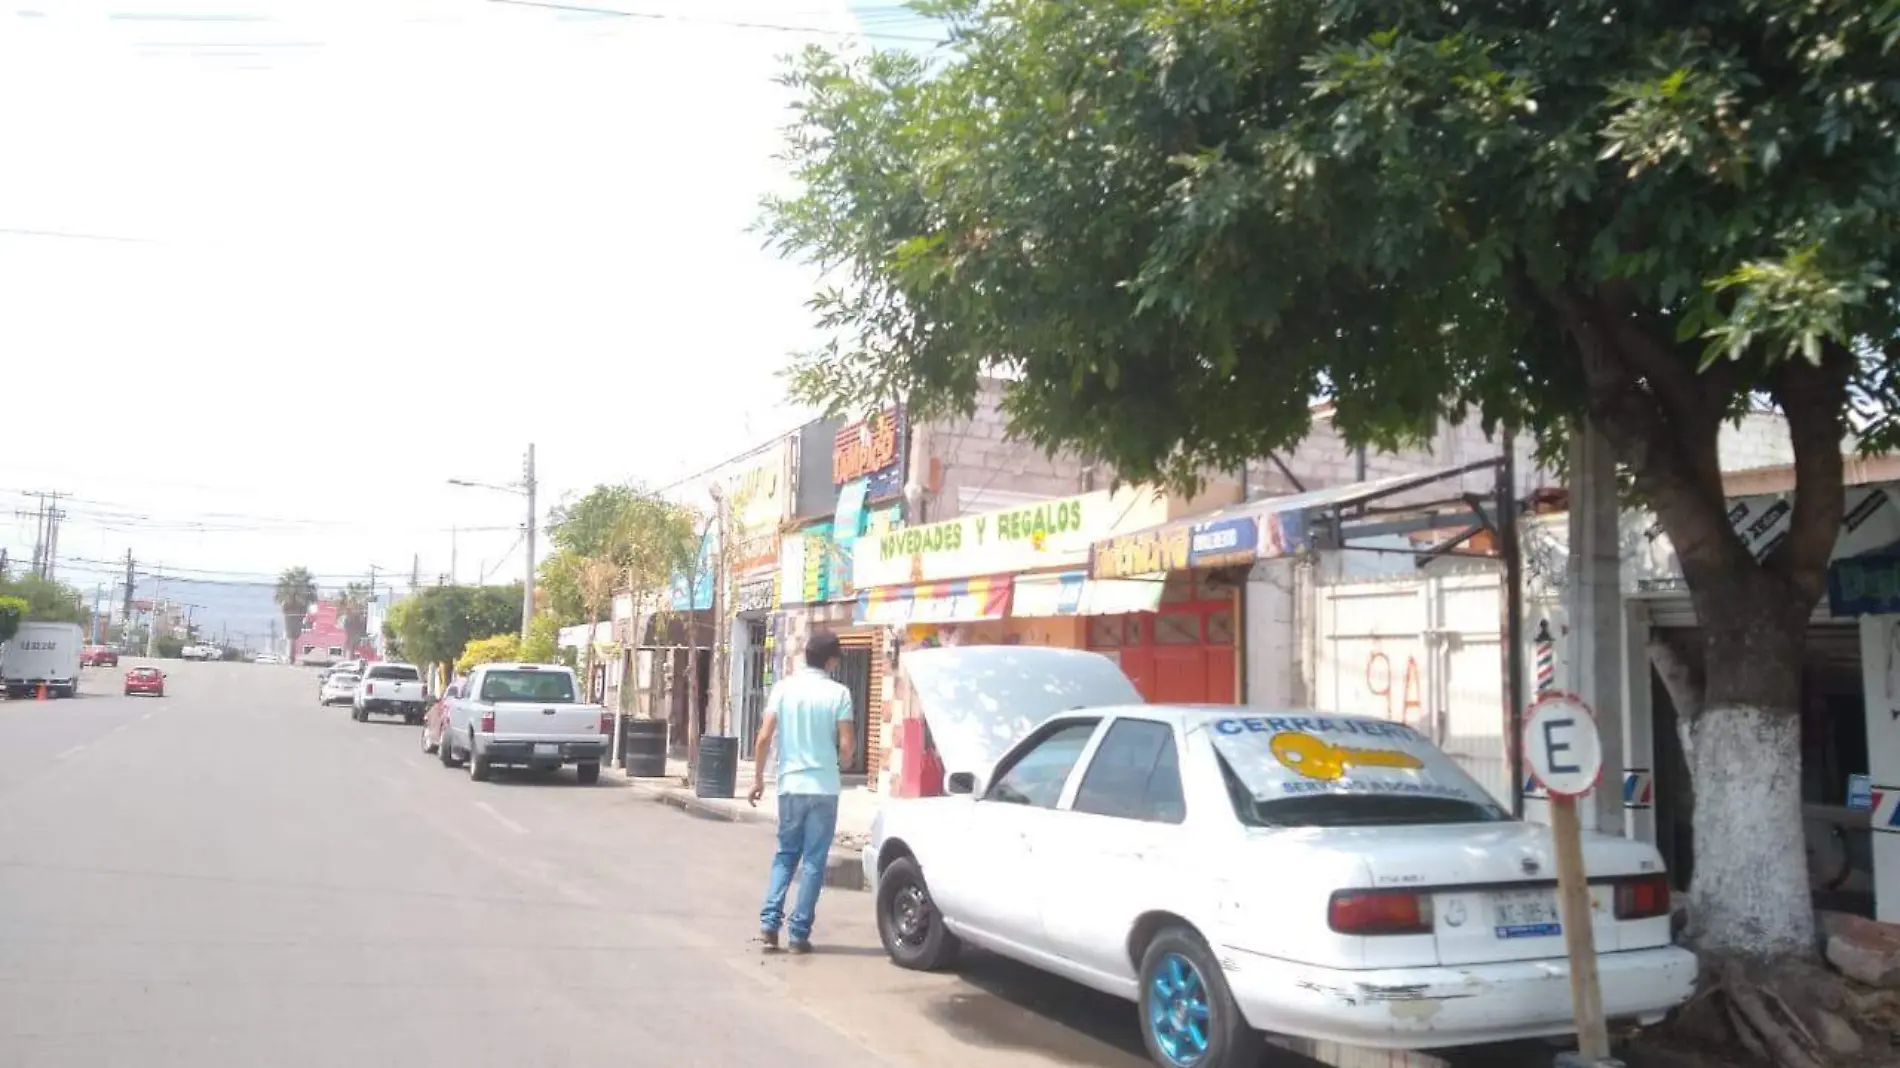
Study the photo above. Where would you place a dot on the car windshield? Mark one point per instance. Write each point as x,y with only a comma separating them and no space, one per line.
519,685
146,673
401,674
1307,770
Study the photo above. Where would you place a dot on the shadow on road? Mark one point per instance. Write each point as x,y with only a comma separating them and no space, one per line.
1010,1006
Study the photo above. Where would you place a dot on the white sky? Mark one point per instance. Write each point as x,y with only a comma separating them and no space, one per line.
344,250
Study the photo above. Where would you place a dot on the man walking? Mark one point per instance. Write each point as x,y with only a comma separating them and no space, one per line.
810,717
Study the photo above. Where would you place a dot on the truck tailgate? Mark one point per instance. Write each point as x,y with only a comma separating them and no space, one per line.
391,690
528,719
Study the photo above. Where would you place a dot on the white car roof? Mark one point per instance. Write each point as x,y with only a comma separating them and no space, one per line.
522,665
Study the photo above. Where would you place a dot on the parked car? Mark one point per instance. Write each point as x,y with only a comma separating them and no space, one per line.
524,715
145,680
390,690
98,656
337,689
1237,871
436,720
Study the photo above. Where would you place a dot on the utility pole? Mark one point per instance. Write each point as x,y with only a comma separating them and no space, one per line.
129,589
415,572
98,596
454,549
52,540
527,582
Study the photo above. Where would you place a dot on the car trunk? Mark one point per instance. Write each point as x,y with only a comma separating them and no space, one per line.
1494,889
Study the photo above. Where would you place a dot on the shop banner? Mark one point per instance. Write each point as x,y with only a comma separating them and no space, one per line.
1149,552
1114,597
695,591
948,602
1223,542
1032,537
1043,596
871,450
756,595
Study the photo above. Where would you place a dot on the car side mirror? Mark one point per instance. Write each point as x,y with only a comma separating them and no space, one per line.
960,782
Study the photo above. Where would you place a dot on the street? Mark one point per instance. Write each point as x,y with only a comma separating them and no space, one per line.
232,875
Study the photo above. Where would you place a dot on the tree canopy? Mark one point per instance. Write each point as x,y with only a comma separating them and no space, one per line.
614,537
1171,225
47,600
296,591
13,612
435,625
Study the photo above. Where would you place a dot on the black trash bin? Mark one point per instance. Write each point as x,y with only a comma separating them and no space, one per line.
643,748
718,772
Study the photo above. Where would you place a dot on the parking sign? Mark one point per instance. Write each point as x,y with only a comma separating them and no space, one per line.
1561,745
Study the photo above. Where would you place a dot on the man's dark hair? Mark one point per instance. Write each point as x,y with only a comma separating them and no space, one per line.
821,648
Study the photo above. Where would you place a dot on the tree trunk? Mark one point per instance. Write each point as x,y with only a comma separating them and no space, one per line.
1750,895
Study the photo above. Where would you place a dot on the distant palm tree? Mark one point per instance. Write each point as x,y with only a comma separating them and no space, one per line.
352,607
296,592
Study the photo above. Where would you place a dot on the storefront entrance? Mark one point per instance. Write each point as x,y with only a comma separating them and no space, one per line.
1181,654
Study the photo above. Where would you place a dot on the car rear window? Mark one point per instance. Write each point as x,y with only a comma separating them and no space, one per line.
1318,771
554,687
401,674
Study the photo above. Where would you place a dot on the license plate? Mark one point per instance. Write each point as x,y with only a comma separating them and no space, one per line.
1525,914
545,749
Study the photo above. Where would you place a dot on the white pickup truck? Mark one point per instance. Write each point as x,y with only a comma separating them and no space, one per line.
523,715
390,690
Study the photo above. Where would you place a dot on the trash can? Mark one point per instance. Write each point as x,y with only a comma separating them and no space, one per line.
643,748
717,773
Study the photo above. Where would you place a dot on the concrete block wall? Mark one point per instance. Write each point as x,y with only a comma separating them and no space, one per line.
977,460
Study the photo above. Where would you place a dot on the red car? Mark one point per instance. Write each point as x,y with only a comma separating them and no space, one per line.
145,680
98,656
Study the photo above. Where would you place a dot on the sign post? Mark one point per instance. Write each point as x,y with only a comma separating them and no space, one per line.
1563,751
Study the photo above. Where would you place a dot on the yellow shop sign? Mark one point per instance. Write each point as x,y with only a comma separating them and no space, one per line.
1150,552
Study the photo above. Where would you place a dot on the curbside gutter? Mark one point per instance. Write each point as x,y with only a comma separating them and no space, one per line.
843,870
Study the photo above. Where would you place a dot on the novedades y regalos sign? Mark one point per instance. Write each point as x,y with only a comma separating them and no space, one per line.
1054,533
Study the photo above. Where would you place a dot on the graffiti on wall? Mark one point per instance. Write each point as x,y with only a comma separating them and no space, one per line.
1397,683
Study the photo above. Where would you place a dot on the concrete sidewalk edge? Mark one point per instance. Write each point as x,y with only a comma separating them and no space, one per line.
844,869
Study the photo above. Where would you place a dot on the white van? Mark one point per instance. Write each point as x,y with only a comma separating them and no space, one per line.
42,653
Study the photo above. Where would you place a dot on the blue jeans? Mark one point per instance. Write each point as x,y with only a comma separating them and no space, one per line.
806,823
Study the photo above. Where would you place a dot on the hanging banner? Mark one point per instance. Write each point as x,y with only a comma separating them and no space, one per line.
1031,537
1149,552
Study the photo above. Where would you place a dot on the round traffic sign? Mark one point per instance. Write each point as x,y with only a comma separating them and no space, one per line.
1561,745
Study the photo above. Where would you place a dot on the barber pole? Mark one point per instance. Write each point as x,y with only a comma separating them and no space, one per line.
1546,650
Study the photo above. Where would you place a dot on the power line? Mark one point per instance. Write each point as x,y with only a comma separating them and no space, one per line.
774,27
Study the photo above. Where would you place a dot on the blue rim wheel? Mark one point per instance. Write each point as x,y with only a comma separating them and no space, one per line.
1179,1018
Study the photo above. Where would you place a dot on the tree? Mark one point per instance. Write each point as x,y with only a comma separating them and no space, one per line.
353,611
1171,224
436,625
543,643
47,600
490,650
13,612
296,592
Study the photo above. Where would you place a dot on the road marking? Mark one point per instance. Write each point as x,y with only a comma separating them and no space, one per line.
74,751
147,715
501,819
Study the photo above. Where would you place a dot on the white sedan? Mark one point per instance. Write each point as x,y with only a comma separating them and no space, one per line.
338,688
1236,871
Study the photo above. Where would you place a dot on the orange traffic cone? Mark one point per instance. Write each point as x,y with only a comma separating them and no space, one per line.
41,695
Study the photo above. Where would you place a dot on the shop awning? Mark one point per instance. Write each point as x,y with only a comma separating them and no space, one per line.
1073,593
969,601
1243,533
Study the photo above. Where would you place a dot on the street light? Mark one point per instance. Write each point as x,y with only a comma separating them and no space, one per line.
525,488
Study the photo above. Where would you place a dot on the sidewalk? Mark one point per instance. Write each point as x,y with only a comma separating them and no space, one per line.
857,807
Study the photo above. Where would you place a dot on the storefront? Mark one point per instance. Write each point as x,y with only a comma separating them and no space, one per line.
859,503
1008,577
756,502
1184,646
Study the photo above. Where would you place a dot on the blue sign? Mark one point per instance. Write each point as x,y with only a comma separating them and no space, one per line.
695,592
1860,793
1222,542
1864,585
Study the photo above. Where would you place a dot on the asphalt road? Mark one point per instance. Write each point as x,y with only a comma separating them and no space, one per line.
234,876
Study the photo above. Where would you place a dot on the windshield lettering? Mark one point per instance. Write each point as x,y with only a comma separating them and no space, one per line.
1314,725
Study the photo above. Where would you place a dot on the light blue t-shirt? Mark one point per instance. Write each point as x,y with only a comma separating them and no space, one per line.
809,705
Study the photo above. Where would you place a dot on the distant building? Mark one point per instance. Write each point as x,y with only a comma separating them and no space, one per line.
323,640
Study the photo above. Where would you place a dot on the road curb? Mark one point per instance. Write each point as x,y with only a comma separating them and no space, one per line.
844,869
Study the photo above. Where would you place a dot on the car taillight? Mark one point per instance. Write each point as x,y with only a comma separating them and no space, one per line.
606,724
488,723
1379,912
1643,898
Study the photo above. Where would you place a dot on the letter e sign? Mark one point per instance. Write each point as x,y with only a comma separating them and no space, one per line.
1561,746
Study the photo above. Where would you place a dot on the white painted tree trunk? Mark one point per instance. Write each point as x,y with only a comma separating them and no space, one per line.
1750,893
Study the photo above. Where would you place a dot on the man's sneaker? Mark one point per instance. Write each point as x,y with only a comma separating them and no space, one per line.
799,945
769,939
